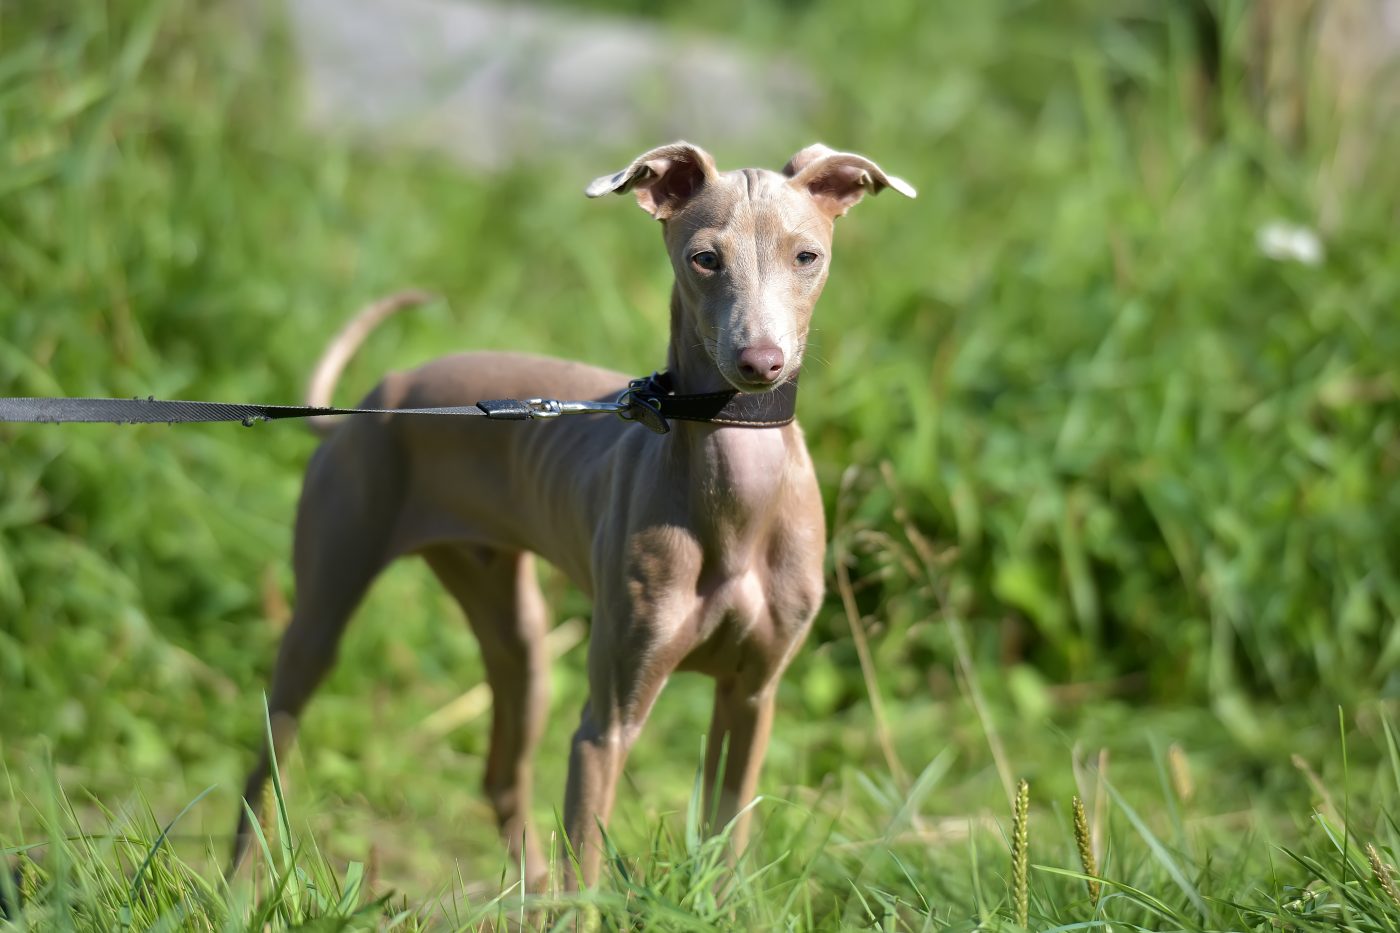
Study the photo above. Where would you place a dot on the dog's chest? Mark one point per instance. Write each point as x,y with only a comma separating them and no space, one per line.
741,484
761,565
748,624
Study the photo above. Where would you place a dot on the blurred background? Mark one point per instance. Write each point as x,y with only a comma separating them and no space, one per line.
1106,420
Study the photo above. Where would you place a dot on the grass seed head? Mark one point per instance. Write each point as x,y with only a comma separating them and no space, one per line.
1020,852
1384,874
1084,841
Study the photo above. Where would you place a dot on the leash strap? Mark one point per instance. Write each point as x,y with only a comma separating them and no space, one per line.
648,401
153,411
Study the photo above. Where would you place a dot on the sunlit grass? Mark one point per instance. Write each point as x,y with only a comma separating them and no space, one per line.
871,861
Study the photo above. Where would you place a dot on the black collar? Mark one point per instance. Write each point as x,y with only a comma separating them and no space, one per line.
654,402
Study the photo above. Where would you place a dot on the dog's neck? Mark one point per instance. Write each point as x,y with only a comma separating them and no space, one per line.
736,473
691,367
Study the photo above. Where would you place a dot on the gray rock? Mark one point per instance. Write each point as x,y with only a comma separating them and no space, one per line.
492,84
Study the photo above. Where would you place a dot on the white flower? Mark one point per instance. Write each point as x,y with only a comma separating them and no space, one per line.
1287,242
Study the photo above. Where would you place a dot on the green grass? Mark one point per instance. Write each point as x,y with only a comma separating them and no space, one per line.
1100,475
859,852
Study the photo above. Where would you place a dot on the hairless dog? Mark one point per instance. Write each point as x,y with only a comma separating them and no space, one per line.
701,548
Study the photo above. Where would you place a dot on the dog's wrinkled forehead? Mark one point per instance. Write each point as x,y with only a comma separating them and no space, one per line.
748,196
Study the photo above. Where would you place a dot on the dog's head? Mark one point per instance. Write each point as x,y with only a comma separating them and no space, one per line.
751,248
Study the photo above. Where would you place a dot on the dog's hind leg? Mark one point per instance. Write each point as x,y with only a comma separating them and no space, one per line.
501,597
344,520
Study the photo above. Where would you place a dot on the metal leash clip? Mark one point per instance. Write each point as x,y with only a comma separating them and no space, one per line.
637,402
546,408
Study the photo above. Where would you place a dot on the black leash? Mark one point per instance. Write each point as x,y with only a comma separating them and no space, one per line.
649,401
154,411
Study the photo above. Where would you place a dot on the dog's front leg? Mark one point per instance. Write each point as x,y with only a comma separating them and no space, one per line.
628,664
739,730
600,747
745,700
599,751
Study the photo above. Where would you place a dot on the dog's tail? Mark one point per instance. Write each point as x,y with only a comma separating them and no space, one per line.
321,389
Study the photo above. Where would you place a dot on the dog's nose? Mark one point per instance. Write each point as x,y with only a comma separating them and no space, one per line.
761,363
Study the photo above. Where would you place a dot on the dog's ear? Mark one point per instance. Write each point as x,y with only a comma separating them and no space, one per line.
837,180
663,179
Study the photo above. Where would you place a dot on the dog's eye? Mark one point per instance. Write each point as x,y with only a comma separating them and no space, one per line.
706,260
805,258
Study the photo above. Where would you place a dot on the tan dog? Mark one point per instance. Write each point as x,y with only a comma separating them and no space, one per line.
701,548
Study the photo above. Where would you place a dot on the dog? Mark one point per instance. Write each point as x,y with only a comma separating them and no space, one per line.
701,548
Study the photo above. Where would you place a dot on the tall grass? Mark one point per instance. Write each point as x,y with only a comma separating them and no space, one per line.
1191,871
